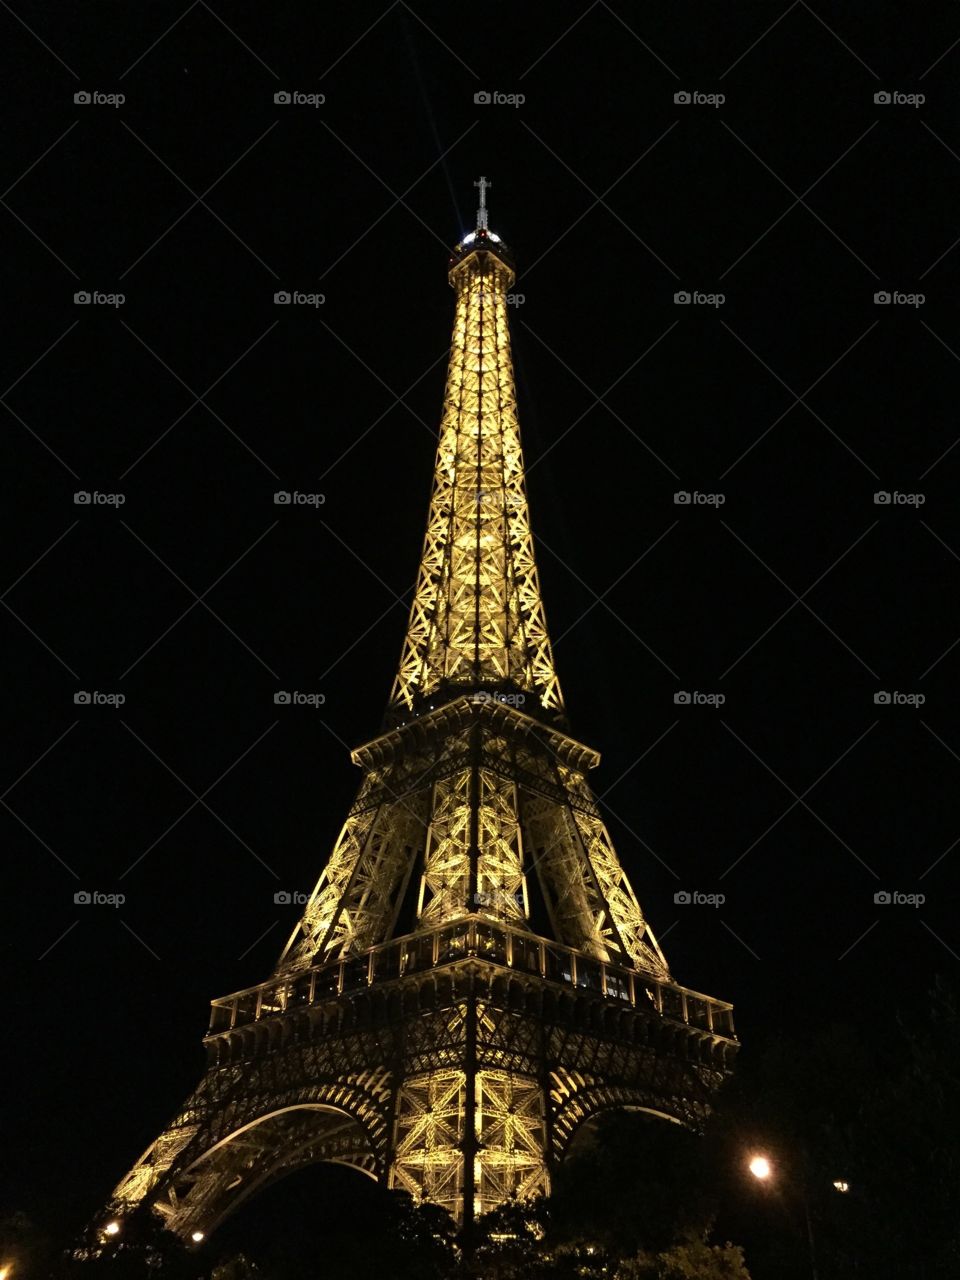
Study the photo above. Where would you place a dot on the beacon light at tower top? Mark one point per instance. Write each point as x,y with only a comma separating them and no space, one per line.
481,237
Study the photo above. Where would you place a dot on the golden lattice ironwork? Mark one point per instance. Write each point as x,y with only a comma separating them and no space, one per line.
477,616
418,1027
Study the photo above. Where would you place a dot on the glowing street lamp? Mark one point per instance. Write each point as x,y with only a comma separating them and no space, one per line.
761,1168
196,1236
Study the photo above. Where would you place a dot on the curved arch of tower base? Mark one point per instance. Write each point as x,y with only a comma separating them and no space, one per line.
479,1079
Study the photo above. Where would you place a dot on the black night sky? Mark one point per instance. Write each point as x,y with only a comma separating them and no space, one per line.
797,199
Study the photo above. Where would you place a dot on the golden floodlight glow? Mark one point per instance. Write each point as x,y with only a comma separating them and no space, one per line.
6,1271
418,1026
761,1168
477,613
112,1228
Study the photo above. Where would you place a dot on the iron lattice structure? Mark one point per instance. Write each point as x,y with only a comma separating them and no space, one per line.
417,1027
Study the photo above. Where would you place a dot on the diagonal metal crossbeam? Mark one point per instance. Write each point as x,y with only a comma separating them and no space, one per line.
457,806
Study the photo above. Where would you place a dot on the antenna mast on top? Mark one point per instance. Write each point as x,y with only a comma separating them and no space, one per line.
484,186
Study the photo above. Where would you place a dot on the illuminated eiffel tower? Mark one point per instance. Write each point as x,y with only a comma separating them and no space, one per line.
472,978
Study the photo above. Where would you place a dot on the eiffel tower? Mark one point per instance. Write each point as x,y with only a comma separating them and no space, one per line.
472,978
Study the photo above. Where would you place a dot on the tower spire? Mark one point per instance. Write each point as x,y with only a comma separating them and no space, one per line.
477,622
484,184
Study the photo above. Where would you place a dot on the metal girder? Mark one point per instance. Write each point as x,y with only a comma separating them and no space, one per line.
477,614
458,1061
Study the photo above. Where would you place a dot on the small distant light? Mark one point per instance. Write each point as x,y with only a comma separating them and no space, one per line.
760,1167
112,1228
841,1186
196,1236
